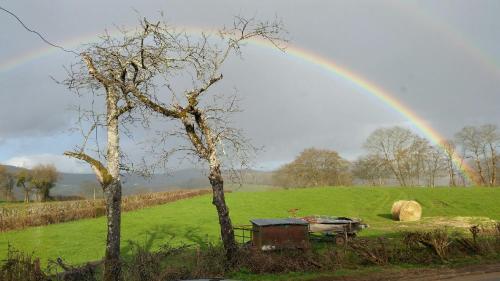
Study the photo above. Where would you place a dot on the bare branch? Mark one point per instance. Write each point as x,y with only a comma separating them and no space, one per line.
102,173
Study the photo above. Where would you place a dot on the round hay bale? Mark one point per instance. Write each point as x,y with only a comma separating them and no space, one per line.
410,211
395,209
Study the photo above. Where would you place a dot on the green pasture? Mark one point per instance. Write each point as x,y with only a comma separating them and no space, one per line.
194,220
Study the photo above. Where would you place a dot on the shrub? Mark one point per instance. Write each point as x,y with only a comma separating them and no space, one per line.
20,266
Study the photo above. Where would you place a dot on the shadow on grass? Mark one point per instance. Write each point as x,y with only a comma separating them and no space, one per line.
166,235
385,216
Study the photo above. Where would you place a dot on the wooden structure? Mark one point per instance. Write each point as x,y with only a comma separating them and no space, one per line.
338,228
271,234
296,233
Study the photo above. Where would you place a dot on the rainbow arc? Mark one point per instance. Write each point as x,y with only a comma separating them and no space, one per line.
293,51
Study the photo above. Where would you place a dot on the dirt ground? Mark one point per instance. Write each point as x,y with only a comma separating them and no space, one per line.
490,272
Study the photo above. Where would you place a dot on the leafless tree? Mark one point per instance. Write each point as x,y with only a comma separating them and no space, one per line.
372,169
491,138
204,125
469,138
136,73
449,150
481,143
106,69
401,150
435,164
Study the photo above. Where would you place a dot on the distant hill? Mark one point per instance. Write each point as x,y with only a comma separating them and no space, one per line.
180,179
71,184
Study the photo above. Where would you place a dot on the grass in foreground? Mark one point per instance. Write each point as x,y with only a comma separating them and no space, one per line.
428,254
194,221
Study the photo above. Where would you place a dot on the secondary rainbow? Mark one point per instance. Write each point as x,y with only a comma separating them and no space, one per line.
296,52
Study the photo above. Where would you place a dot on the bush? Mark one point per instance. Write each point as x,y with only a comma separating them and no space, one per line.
20,266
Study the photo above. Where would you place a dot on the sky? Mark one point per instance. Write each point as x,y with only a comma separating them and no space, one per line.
441,59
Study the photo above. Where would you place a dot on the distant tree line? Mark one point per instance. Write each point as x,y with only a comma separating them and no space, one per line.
398,155
314,167
36,182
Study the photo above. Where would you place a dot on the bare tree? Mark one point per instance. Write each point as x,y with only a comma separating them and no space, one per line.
469,138
135,74
480,143
204,125
401,150
372,169
491,138
435,165
105,70
449,149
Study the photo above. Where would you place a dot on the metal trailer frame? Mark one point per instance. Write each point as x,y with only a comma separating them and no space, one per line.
336,229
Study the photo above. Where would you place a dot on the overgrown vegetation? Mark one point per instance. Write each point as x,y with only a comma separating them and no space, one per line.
21,216
207,260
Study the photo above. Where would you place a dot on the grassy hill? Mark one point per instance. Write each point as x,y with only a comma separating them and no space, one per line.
195,220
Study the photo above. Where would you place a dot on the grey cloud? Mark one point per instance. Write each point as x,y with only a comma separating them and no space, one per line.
426,54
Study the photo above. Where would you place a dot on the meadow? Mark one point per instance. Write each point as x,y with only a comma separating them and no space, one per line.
194,220
19,215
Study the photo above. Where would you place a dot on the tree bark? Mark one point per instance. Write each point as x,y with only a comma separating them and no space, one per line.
112,265
113,192
477,160
26,196
493,179
226,227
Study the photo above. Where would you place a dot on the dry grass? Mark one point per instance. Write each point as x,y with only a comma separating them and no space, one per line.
36,214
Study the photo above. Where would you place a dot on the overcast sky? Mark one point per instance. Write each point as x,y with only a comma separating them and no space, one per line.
440,58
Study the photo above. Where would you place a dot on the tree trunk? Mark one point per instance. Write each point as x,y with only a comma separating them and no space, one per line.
26,196
113,192
45,194
112,266
477,160
451,173
493,180
482,180
226,227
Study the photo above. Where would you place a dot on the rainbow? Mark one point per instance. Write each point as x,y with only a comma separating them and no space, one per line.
293,51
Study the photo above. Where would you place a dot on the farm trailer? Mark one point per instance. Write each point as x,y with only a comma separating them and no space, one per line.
294,233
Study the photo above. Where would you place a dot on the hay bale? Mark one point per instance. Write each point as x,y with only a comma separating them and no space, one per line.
410,211
395,209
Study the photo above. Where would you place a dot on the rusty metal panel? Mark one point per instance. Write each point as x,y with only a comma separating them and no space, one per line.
287,221
281,236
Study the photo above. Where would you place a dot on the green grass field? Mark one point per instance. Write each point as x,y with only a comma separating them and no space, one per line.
195,220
